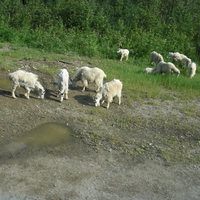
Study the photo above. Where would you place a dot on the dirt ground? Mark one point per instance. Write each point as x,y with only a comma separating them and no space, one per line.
78,170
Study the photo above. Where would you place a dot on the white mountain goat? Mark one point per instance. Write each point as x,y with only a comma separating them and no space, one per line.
166,68
89,75
28,81
149,70
63,84
124,53
179,58
155,57
108,92
192,70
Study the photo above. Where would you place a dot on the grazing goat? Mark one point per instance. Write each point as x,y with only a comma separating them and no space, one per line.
108,92
192,70
63,84
89,75
155,57
166,68
179,59
28,81
124,53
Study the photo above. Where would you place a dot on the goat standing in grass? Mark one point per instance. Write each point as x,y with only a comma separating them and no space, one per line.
124,53
179,59
192,70
155,57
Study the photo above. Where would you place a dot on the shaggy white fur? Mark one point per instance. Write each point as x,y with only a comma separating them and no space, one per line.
63,84
192,70
124,53
89,75
155,57
166,68
180,58
108,92
28,81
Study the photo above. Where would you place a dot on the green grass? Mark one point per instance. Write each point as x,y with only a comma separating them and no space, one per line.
136,84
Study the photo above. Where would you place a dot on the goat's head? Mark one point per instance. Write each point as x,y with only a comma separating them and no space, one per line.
119,50
97,99
41,93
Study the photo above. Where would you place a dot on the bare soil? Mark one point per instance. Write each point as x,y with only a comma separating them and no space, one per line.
89,168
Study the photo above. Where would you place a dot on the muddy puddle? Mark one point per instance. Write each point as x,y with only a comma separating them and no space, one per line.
5,84
46,135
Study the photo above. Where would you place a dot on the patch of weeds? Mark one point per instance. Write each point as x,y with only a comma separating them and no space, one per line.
49,70
171,157
154,103
94,136
190,110
167,96
128,122
86,120
175,151
5,66
98,111
95,139
141,148
188,127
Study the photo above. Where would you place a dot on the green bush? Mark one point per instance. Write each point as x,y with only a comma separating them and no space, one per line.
96,28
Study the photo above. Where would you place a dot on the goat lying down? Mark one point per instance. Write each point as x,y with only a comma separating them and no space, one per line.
28,81
63,84
108,92
166,68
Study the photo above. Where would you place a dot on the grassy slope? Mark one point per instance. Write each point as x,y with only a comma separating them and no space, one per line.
136,86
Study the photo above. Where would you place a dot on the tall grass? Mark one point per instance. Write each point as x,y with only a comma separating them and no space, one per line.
140,85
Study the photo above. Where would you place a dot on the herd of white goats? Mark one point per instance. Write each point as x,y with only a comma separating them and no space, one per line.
86,75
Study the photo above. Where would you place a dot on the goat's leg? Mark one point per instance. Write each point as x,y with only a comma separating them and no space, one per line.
85,84
28,92
61,97
119,97
109,100
66,95
108,105
13,91
121,57
98,88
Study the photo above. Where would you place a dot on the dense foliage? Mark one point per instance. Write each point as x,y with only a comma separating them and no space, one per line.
99,28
